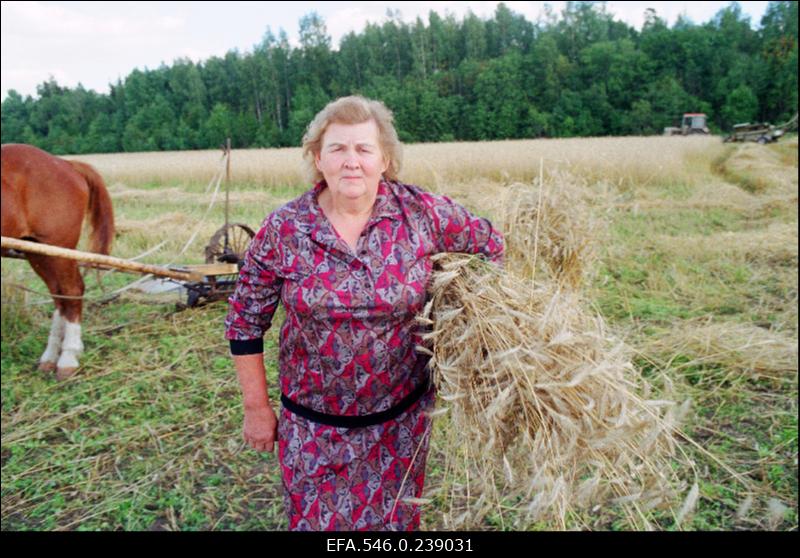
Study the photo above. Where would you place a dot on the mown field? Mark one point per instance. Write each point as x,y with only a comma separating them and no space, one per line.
697,273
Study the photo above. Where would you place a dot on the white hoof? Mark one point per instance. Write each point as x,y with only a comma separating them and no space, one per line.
69,359
65,373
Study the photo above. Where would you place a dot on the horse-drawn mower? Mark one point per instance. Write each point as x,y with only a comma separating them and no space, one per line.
208,282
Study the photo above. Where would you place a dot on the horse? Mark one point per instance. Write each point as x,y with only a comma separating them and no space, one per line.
45,199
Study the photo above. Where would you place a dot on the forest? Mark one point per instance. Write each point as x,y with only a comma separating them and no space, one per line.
577,72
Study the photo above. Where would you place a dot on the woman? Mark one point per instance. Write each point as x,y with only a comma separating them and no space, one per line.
349,260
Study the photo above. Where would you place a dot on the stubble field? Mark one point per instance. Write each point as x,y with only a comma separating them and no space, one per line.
697,272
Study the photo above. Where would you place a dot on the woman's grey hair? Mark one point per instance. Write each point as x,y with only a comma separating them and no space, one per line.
353,110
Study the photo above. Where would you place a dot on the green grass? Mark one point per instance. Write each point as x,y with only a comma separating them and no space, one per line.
146,437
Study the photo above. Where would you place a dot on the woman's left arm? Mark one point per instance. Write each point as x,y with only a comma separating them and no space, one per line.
457,230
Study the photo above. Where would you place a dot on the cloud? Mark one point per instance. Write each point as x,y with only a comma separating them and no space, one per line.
40,19
353,18
43,39
54,20
170,23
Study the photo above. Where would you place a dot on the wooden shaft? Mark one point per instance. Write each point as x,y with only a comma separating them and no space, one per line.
99,259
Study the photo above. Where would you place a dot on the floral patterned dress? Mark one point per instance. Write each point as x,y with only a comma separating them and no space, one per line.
347,347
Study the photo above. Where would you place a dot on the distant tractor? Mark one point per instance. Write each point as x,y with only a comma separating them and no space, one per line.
760,132
692,123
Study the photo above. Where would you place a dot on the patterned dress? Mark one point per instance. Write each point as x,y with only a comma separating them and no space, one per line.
347,347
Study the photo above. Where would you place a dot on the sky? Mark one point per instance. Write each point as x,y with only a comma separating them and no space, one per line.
98,43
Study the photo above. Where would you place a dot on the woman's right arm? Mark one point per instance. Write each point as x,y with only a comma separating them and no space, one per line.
252,306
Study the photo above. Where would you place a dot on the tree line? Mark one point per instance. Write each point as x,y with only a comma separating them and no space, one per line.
579,72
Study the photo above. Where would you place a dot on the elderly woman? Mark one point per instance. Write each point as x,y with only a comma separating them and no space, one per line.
350,261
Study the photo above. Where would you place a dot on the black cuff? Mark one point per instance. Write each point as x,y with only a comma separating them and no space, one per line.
248,347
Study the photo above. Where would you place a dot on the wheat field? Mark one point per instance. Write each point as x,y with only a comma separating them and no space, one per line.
695,269
623,161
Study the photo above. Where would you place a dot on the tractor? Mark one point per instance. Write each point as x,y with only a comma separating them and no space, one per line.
692,123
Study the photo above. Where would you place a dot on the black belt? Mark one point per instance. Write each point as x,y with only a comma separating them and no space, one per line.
344,421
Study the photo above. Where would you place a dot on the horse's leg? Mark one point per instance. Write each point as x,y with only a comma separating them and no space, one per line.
48,360
62,278
71,285
43,267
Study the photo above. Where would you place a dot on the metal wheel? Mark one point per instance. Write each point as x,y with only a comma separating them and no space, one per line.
762,140
239,237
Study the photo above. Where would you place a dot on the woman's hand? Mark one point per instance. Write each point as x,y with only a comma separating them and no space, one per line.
260,422
260,427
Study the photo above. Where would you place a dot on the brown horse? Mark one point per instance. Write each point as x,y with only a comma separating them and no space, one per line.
45,199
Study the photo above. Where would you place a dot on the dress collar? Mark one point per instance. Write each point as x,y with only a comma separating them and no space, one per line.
385,206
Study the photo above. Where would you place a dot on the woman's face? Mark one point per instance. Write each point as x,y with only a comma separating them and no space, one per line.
351,159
